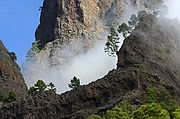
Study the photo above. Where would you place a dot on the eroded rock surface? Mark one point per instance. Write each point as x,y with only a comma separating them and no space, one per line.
63,20
11,79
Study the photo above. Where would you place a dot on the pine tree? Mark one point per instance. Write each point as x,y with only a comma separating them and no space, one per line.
111,46
75,83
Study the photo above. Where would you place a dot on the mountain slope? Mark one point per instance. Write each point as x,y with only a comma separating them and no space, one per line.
143,61
11,79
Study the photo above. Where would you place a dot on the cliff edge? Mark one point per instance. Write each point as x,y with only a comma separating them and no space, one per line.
11,79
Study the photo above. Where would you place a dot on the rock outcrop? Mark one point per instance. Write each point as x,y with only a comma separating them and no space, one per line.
148,57
11,79
63,20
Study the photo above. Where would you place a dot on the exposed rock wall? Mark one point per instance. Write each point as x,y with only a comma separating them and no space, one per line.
63,20
11,79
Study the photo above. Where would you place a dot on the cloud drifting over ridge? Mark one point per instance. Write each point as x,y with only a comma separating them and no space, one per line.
88,67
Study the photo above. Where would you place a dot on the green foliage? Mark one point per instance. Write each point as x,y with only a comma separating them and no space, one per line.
32,90
117,113
112,43
151,111
40,86
111,46
124,110
94,117
167,102
35,47
151,95
176,114
163,98
121,111
51,86
126,107
75,83
11,97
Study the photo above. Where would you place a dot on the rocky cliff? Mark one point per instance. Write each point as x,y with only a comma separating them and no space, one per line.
63,20
148,57
69,28
11,79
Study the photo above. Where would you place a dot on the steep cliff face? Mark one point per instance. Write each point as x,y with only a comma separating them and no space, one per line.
148,57
59,20
63,20
11,79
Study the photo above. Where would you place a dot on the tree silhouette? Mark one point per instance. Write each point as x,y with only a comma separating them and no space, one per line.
40,86
75,83
51,86
111,46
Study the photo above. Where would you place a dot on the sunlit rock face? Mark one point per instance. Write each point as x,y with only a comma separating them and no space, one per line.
63,20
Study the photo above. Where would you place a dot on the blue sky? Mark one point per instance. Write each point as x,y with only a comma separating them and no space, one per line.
18,22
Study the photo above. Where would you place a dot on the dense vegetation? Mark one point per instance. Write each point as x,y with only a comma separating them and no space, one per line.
158,105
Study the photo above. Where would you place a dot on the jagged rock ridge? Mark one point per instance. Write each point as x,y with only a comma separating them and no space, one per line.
11,79
143,61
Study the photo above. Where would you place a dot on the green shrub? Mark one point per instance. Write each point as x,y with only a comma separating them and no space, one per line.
117,113
151,95
126,107
167,102
94,117
162,97
151,111
176,114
